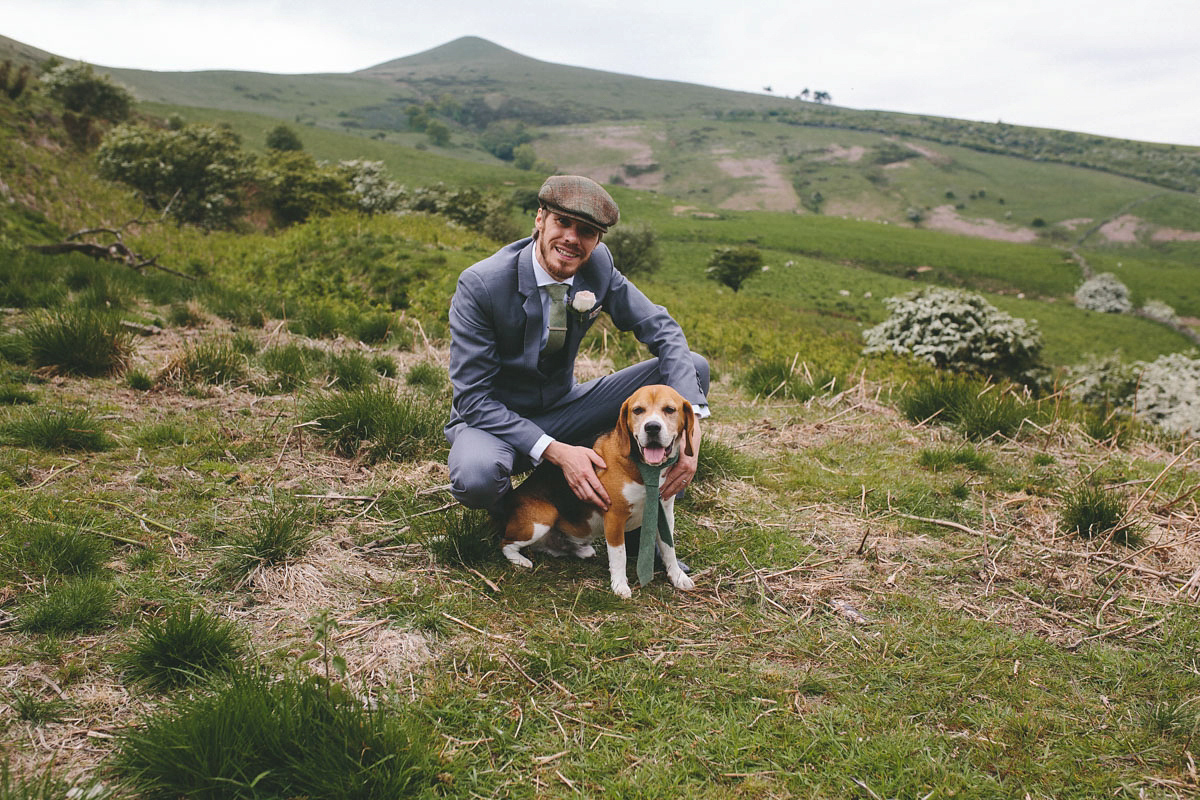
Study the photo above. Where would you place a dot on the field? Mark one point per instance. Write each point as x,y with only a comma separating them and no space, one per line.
230,566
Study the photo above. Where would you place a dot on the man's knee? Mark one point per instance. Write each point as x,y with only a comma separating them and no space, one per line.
478,485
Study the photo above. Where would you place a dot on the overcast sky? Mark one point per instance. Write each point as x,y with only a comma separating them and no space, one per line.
1125,68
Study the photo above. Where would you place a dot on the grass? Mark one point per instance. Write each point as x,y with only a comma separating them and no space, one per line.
212,361
377,422
276,535
77,605
1093,512
79,341
184,646
291,738
44,551
60,429
290,366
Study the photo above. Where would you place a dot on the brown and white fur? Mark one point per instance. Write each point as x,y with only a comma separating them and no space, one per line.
655,422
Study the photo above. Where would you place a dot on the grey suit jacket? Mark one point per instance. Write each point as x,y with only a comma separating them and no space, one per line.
496,327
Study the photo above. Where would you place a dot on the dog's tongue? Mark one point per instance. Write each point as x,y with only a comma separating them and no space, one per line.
654,455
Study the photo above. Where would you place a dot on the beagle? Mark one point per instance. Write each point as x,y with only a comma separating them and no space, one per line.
655,422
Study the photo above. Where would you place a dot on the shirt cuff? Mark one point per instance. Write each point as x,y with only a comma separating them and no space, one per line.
539,448
702,412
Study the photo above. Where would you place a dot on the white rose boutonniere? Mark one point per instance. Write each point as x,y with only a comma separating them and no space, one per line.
584,304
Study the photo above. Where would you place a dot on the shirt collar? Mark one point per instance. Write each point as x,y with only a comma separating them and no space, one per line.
544,278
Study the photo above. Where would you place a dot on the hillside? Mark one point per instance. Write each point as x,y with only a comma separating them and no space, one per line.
728,149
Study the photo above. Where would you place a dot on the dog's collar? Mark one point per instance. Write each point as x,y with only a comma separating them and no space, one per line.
654,518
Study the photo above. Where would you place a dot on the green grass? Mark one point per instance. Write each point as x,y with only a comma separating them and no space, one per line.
79,341
1094,512
60,429
377,422
211,361
77,605
184,646
43,551
292,738
274,536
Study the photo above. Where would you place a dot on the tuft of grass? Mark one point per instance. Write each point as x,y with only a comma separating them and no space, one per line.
373,328
14,394
42,787
138,380
377,422
276,535
945,458
60,429
1109,426
351,370
214,361
291,738
779,379
290,366
384,365
185,646
1093,511
462,537
79,341
187,315
427,376
938,398
718,460
30,707
77,605
44,551
975,409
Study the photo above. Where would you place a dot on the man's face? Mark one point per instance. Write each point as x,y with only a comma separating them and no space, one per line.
564,244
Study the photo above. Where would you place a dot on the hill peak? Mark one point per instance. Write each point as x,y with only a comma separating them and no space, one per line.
464,50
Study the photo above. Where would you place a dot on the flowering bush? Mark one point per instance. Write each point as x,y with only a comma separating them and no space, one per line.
1105,293
1169,393
956,330
1159,311
373,190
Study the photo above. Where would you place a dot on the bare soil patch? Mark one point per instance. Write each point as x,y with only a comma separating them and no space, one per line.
945,218
773,191
836,152
1123,229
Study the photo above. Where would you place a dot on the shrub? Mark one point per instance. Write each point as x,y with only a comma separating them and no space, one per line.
634,250
1168,393
373,191
294,187
185,646
1159,311
198,171
1105,293
80,89
732,266
291,738
377,422
281,137
79,341
73,430
956,330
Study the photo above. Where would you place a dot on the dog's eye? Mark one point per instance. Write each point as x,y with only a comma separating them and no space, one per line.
638,410
669,410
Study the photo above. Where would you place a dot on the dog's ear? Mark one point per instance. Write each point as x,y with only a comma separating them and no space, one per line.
689,426
624,440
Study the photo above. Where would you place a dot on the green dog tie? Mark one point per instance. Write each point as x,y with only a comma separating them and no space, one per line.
654,518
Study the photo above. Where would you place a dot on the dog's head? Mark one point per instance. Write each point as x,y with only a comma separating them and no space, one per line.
654,421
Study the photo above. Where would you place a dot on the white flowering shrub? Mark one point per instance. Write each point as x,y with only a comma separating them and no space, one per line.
1169,393
1105,293
374,191
1159,311
956,330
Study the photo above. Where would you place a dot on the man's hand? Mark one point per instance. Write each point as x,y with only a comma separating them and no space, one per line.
579,465
681,474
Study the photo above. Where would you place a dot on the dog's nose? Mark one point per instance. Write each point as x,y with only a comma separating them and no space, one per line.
653,428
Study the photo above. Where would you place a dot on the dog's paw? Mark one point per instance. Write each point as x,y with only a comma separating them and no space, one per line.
621,589
587,551
681,581
513,554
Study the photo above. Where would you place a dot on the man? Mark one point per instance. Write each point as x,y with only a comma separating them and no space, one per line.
513,349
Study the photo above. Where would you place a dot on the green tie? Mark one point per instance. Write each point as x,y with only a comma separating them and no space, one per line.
557,323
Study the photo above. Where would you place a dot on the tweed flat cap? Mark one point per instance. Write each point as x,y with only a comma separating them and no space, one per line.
580,198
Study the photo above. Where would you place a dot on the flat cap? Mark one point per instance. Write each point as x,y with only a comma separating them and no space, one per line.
580,198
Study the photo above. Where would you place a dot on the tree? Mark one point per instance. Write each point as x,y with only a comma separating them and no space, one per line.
199,172
438,133
82,91
634,250
731,266
822,97
281,137
294,187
